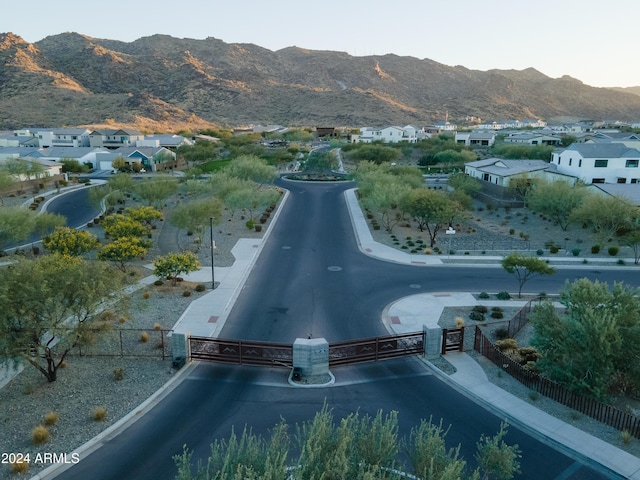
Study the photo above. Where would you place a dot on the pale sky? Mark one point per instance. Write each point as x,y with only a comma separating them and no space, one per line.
594,41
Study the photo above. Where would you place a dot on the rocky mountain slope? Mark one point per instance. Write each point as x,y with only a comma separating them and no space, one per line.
161,81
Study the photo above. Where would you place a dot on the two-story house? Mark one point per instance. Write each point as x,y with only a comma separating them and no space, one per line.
599,162
63,137
476,138
113,139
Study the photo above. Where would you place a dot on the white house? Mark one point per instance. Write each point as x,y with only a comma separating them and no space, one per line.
62,137
84,155
164,140
391,134
599,162
114,138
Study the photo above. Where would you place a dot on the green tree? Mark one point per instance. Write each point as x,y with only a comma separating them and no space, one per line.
250,167
496,458
119,163
21,169
386,199
72,165
70,242
558,200
123,250
17,224
632,240
156,190
524,267
321,161
6,180
464,182
195,216
371,152
170,266
51,305
521,186
433,210
594,344
607,215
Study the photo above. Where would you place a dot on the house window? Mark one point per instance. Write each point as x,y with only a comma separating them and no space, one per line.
601,163
634,180
579,163
597,180
622,180
631,164
570,160
559,160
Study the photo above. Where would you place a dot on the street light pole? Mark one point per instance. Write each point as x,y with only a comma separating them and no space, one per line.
213,246
450,232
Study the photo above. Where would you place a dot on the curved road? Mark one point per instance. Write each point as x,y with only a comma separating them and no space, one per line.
312,279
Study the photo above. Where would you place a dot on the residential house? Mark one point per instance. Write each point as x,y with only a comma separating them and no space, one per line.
445,126
599,162
499,171
620,190
18,152
476,138
18,140
62,137
530,138
84,155
391,134
152,158
169,141
113,139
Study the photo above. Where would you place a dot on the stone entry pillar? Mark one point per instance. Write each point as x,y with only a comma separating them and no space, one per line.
311,361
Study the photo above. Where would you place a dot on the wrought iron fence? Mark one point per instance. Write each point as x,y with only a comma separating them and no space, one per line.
602,412
128,342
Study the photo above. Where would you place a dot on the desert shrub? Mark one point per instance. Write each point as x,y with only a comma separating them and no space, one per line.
200,287
146,295
554,249
50,419
531,366
118,373
186,293
497,315
258,228
575,252
483,295
529,354
40,435
508,344
249,224
480,309
428,251
539,252
502,333
476,316
613,250
122,319
459,322
595,249
503,296
157,283
144,337
620,261
99,414
157,326
19,467
626,437
512,231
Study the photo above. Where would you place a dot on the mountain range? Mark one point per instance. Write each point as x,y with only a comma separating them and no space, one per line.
162,83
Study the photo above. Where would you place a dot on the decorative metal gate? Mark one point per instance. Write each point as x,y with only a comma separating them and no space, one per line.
376,348
281,354
241,352
452,340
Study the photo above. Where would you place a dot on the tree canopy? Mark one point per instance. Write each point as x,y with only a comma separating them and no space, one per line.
593,347
524,267
51,305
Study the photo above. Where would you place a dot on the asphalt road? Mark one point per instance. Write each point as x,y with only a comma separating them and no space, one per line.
311,278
